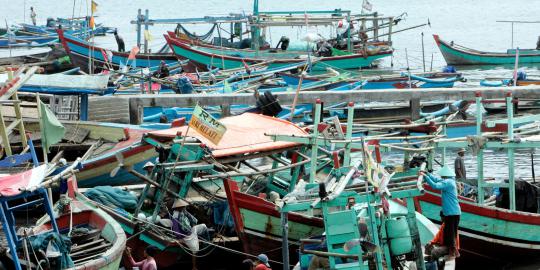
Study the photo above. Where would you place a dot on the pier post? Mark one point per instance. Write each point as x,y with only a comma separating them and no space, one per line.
414,104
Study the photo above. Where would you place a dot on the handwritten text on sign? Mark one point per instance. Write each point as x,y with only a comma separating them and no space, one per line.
206,125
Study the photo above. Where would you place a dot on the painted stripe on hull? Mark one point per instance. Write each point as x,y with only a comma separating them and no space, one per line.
509,232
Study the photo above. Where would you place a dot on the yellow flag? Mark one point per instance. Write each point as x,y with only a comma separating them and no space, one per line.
94,6
147,36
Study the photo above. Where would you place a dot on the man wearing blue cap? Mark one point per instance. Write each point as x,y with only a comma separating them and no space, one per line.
262,262
450,205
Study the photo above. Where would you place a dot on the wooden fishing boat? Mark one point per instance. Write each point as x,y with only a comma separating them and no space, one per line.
427,80
81,52
96,240
226,58
100,143
455,54
26,41
29,58
494,106
244,141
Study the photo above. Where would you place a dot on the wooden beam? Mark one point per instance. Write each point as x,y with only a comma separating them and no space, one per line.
137,102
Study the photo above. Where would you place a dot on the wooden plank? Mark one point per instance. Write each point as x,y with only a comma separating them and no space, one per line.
76,134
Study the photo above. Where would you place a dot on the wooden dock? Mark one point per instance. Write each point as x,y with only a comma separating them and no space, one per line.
414,96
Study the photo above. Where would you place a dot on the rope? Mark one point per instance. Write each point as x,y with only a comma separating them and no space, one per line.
171,231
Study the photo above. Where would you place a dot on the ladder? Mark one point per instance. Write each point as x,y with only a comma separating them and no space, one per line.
8,95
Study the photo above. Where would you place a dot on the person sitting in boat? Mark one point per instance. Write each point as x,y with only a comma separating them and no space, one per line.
187,229
324,49
284,42
119,41
262,263
163,70
451,210
149,263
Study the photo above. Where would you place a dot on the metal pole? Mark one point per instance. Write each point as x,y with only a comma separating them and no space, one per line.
285,240
348,135
511,180
480,155
146,13
315,146
139,14
423,54
512,35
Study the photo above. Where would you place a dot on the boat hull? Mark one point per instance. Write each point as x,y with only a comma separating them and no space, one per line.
464,56
214,57
488,231
80,53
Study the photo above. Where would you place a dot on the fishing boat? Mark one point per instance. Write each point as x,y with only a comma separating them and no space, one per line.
200,182
427,80
265,224
493,106
81,53
96,240
26,41
99,144
502,227
455,54
32,57
227,58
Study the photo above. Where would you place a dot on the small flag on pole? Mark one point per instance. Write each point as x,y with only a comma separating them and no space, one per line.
134,51
92,23
367,5
52,131
94,6
147,36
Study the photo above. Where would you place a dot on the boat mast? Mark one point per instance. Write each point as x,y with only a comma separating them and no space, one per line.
512,22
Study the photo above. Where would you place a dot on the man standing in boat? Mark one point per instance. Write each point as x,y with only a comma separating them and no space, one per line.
451,210
119,41
33,15
459,166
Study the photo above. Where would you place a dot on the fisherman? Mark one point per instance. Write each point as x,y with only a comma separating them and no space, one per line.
149,263
451,210
33,15
351,201
459,166
119,41
538,43
163,70
262,262
247,264
187,229
324,49
284,42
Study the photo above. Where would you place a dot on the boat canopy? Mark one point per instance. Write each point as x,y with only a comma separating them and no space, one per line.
246,133
64,84
16,184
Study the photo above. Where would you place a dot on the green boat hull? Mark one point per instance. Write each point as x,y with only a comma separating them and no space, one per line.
458,55
228,59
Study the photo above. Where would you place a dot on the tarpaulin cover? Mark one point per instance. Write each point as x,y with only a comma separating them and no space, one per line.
15,184
245,134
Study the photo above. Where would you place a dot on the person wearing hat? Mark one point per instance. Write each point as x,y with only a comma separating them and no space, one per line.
459,166
186,228
149,263
451,211
262,262
163,70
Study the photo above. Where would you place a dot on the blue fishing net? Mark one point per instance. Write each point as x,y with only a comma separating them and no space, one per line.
112,197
